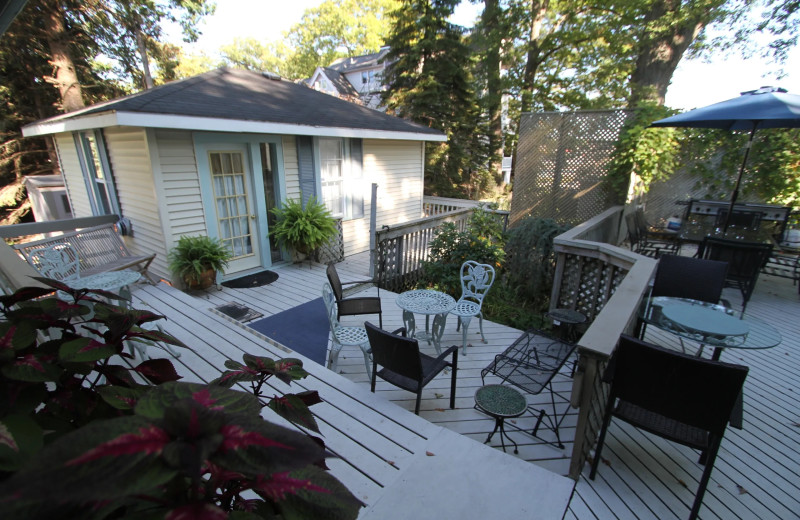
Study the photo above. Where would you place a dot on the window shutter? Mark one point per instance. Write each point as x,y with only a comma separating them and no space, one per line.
305,166
356,174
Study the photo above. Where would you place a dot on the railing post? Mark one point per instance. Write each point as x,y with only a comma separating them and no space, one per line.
373,223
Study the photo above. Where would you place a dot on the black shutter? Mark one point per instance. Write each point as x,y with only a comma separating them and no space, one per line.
356,182
305,166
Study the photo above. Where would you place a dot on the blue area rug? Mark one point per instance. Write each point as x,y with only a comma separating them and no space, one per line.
303,329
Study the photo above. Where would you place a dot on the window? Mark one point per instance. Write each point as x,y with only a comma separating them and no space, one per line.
340,175
97,172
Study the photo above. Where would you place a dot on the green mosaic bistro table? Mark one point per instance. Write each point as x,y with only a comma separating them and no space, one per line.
501,402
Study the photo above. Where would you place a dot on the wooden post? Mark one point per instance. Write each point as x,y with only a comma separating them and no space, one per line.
373,229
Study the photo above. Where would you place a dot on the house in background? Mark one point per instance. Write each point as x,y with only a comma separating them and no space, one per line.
359,78
212,154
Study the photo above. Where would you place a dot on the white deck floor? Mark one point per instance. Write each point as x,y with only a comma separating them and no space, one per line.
757,474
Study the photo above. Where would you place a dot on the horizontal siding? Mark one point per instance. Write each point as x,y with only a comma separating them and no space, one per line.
73,176
397,168
181,184
133,175
290,170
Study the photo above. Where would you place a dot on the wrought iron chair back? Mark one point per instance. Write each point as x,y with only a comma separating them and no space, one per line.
59,262
476,280
745,261
342,335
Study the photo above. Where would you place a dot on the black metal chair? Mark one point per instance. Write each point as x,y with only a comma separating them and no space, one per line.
687,277
640,241
354,305
682,398
404,365
749,220
745,261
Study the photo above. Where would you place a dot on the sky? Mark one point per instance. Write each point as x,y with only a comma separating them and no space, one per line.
694,84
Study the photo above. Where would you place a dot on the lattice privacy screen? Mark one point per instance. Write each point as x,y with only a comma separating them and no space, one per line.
333,251
562,160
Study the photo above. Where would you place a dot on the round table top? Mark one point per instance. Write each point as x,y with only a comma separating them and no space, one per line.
501,400
426,301
108,281
684,317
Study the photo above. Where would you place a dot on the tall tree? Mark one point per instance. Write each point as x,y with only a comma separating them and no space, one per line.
338,29
429,83
249,53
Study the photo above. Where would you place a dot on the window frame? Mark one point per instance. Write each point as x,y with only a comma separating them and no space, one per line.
353,203
89,163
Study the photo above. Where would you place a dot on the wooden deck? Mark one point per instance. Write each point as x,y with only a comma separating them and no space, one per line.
757,474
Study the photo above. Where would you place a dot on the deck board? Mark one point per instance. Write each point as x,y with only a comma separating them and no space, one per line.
647,476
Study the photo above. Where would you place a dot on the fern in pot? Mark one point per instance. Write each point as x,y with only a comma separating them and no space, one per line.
303,229
198,259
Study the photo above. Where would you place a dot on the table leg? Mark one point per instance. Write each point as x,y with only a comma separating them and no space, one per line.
438,331
410,323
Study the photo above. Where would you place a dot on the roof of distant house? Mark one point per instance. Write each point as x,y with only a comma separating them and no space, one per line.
356,63
339,82
235,100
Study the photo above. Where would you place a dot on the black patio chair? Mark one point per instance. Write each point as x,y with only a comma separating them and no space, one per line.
745,261
640,240
404,365
676,396
354,305
687,277
749,220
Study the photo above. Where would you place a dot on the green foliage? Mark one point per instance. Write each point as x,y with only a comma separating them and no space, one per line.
193,255
251,54
650,153
303,229
482,241
81,438
530,264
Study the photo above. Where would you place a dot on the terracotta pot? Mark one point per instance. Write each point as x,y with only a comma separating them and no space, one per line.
206,280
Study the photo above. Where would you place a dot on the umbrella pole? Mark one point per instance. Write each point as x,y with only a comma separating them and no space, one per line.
739,178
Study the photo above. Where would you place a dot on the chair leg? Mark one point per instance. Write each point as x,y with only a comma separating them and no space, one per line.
454,371
701,490
365,350
380,319
333,358
419,399
480,324
464,321
374,376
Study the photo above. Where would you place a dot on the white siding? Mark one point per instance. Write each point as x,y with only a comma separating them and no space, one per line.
291,173
179,185
73,175
129,156
397,167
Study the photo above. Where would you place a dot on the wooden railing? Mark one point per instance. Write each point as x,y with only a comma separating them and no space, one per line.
432,206
606,283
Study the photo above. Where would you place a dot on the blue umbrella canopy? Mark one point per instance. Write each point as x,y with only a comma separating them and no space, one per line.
767,107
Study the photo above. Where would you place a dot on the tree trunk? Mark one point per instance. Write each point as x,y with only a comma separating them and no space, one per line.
65,78
660,52
140,43
494,87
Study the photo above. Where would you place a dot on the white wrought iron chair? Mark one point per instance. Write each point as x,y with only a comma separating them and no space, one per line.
476,280
58,261
343,335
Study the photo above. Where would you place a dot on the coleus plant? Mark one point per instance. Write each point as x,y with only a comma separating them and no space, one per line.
174,450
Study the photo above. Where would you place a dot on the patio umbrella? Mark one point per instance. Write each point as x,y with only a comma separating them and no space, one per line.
767,107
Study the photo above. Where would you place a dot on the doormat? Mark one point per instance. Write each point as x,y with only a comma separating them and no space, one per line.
303,329
251,280
238,312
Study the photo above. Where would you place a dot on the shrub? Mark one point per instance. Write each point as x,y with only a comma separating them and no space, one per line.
482,241
193,255
303,229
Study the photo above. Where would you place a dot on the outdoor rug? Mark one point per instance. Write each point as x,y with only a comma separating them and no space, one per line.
251,280
303,329
238,312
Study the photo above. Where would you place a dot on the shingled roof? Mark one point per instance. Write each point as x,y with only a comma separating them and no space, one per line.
237,100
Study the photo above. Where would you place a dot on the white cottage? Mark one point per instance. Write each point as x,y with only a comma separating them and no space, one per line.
213,153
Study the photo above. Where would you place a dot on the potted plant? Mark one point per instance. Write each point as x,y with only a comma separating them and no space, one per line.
198,259
303,229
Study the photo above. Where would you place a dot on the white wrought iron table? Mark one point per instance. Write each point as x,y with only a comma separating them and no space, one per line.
430,303
111,281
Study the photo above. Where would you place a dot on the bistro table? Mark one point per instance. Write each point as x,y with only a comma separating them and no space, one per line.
501,402
709,324
430,303
111,281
